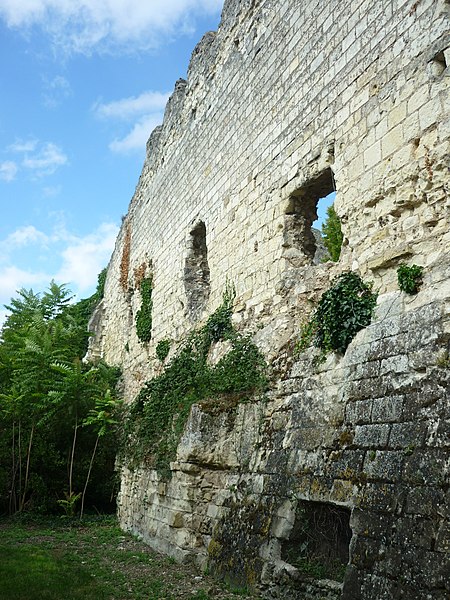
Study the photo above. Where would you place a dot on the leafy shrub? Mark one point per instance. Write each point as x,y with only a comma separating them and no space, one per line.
409,278
343,310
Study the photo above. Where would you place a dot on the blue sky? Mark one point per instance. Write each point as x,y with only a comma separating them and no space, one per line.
83,84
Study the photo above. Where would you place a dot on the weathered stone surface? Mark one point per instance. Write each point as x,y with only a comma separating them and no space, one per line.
284,103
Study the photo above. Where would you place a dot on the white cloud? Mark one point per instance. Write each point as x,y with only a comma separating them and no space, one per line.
43,158
69,258
8,170
24,236
82,25
147,102
147,110
85,257
46,160
137,138
13,279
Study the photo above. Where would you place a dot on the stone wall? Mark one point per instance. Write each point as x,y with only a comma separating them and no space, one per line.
287,101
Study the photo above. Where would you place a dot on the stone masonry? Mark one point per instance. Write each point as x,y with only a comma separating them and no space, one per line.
285,103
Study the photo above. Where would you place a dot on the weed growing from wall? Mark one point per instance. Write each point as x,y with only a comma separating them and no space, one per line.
409,278
156,419
144,314
343,310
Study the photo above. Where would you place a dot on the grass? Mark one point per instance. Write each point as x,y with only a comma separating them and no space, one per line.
61,559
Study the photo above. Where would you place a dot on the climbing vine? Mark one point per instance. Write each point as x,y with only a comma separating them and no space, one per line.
144,314
156,419
343,310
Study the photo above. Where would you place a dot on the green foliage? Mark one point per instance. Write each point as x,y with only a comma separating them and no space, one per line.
144,315
156,419
343,310
162,349
46,392
332,234
409,278
69,503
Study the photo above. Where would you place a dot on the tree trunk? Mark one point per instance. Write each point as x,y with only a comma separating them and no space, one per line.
88,476
27,471
72,456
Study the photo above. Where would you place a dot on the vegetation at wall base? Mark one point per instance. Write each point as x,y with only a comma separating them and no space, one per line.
55,410
60,558
144,314
343,310
332,234
155,421
409,278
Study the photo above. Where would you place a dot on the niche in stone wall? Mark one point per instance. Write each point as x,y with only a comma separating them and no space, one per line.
318,545
196,272
303,244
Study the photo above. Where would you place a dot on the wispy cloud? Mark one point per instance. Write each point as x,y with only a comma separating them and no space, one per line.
147,102
106,25
23,236
8,170
42,158
46,160
22,146
146,110
137,138
55,91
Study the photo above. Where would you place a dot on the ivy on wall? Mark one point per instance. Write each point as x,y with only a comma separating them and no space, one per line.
156,419
144,314
343,310
409,278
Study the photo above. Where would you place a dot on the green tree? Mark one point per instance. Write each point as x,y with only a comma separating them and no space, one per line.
46,393
332,234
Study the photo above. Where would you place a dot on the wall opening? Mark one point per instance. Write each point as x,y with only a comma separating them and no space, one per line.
438,64
302,242
319,541
196,272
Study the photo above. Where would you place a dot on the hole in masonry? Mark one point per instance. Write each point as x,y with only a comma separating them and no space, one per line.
319,541
306,213
437,64
196,272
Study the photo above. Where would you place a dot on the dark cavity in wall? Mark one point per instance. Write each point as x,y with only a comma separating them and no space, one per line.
319,541
302,243
196,272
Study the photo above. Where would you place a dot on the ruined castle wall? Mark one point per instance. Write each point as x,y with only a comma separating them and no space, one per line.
286,100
